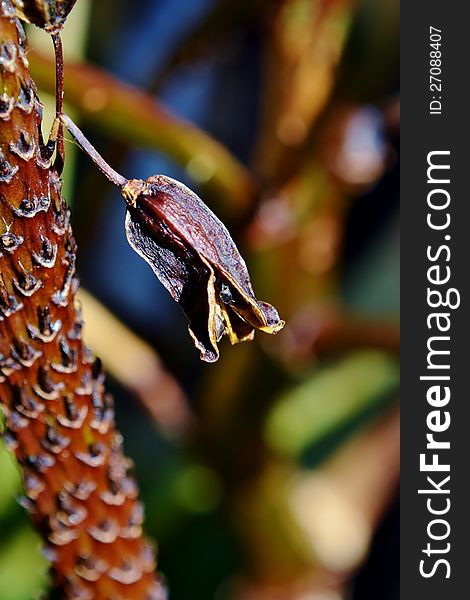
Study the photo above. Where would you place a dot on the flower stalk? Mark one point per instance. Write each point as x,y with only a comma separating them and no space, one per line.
59,420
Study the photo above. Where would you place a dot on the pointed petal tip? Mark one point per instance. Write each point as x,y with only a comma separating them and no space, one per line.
274,323
273,329
208,355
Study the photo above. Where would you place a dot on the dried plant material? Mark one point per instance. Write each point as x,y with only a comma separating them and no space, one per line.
47,14
50,15
193,255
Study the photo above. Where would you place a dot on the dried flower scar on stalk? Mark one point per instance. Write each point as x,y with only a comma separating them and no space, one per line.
192,254
50,15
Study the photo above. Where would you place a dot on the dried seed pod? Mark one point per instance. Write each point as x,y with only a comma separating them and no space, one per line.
47,14
192,254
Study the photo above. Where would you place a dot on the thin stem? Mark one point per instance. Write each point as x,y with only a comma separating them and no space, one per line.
99,161
59,98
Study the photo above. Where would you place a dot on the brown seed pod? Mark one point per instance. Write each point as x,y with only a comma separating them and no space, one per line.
192,254
47,14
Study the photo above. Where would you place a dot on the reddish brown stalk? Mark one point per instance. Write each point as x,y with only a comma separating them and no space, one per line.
95,156
59,100
59,419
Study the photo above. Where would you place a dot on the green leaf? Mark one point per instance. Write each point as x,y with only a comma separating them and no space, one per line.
22,568
332,397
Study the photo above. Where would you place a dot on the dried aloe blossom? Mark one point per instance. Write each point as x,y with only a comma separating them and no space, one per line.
47,14
193,255
59,421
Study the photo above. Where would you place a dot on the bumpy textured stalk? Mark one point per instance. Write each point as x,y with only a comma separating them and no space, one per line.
59,419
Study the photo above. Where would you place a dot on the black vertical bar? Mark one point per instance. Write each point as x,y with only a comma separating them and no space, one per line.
423,131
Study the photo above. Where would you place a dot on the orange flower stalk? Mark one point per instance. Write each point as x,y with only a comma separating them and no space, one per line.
59,420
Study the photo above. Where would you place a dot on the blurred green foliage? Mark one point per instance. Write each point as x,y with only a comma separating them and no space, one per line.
337,395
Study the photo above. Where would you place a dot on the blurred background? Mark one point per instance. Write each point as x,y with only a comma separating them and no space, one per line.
272,474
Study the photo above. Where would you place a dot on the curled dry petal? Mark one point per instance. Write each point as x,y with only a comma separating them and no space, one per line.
195,258
47,14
